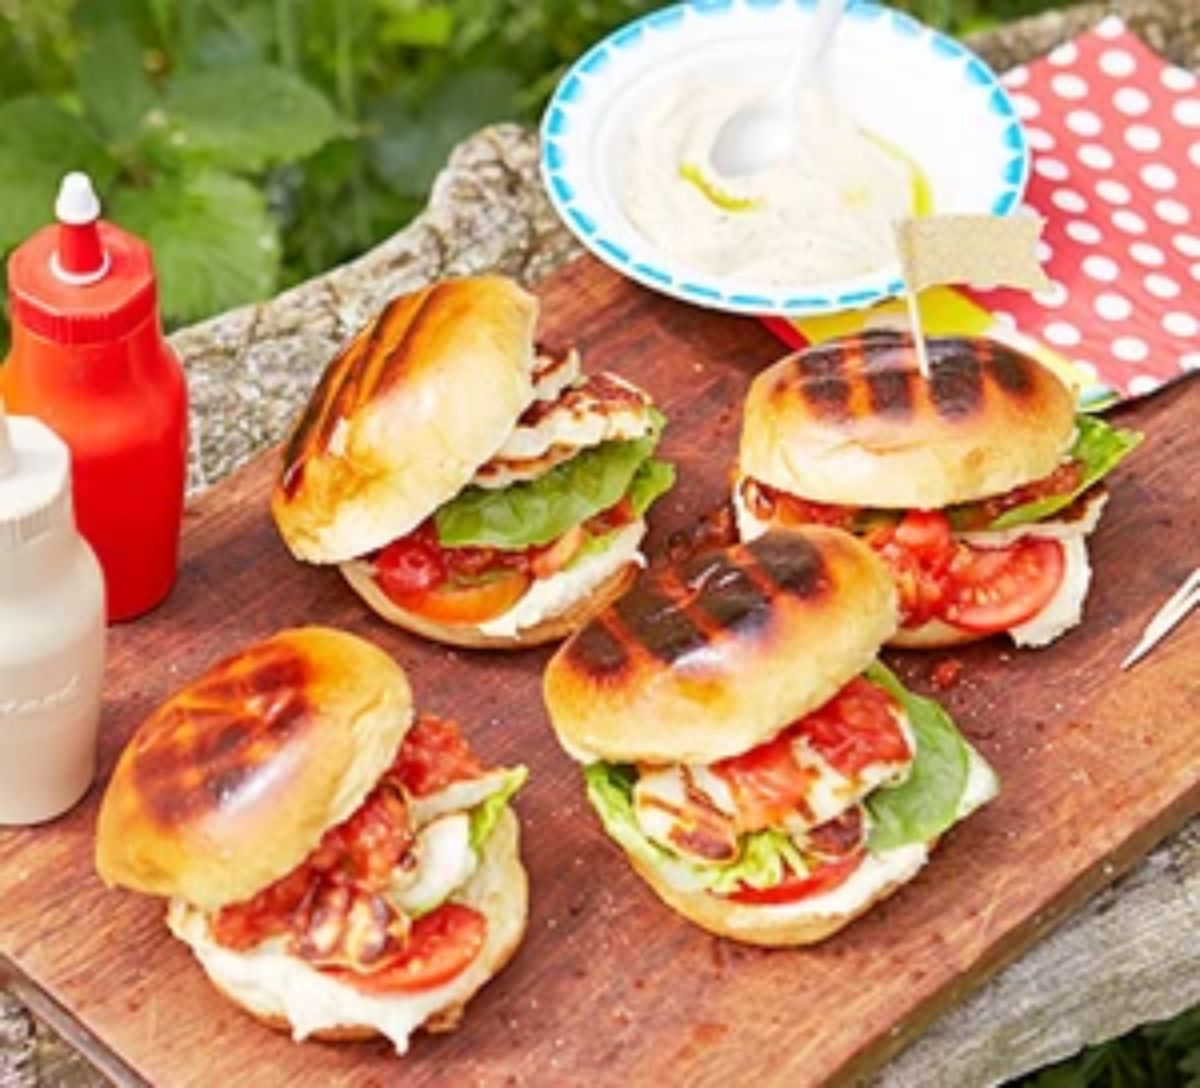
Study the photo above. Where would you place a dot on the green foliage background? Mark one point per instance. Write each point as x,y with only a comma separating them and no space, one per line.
257,142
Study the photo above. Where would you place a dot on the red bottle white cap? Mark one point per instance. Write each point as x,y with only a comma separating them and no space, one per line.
81,280
80,258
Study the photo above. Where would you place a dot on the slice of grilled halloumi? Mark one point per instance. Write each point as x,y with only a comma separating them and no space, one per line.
600,408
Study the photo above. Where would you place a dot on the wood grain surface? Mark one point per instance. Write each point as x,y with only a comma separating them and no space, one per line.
609,987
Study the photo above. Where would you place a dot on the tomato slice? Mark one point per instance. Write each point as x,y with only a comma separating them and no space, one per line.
793,887
925,534
855,729
766,782
465,604
993,589
410,565
440,945
918,551
434,754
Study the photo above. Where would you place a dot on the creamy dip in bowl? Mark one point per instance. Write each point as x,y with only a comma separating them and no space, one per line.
825,212
626,134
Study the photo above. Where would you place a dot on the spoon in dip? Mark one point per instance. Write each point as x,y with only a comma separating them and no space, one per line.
761,135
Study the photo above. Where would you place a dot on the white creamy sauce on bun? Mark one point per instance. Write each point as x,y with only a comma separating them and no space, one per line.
550,596
1065,609
823,213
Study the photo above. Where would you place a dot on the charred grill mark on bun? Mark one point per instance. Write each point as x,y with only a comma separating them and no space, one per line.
793,563
955,382
1010,371
177,753
888,376
822,382
876,373
374,361
600,649
732,599
653,619
433,306
674,616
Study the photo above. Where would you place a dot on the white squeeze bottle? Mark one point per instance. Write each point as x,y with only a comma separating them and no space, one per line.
51,630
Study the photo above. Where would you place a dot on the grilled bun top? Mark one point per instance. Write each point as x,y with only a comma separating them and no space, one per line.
854,422
710,658
230,784
404,415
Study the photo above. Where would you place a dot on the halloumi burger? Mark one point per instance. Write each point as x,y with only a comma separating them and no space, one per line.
978,485
474,490
339,869
764,773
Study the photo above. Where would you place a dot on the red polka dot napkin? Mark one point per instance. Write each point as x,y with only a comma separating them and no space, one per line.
1115,133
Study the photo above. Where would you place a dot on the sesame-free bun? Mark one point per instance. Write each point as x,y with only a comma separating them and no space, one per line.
498,890
934,635
755,924
708,659
404,415
853,422
550,629
230,784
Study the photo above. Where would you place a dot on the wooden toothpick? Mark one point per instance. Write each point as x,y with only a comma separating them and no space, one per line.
918,333
1181,602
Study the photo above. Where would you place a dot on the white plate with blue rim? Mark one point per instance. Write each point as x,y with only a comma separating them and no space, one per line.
923,92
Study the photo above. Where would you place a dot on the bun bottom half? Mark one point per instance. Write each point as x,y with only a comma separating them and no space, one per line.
551,629
936,635
499,889
766,926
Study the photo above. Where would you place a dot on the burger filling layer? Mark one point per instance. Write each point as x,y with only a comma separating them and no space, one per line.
817,819
381,905
1015,562
572,481
272,982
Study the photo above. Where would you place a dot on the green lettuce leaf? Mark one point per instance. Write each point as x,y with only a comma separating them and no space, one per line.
538,511
1099,446
652,480
928,801
485,814
535,512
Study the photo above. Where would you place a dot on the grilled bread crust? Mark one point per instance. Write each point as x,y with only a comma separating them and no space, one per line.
854,422
708,659
230,784
551,629
404,415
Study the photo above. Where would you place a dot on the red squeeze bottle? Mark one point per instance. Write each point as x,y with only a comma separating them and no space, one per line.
89,359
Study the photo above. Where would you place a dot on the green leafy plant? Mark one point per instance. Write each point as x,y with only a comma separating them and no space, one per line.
176,154
1164,1055
258,142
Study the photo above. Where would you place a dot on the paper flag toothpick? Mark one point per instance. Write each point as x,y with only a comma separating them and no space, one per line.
981,250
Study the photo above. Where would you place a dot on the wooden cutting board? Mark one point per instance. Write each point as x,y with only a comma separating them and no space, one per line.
611,988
